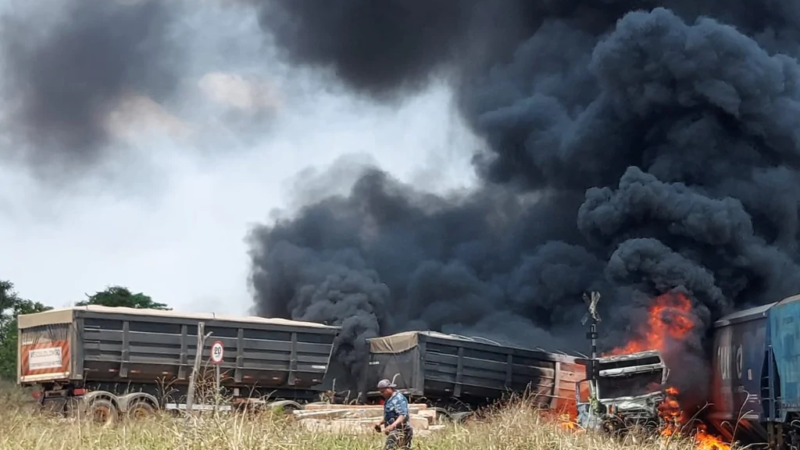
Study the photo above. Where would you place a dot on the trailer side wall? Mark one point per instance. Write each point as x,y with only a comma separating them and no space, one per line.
440,366
121,345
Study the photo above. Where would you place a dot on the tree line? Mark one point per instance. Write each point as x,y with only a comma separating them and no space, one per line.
12,305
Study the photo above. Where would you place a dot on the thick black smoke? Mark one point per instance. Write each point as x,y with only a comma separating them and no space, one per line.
383,47
634,152
62,79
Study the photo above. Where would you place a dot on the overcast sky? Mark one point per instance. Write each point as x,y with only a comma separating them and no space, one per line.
168,213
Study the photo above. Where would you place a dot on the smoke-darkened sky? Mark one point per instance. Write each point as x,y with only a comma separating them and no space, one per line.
141,140
62,82
629,151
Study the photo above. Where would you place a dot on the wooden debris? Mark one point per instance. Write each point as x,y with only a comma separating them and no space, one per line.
323,414
326,406
419,422
360,419
429,413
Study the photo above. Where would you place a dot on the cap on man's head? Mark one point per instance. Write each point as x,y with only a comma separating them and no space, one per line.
383,384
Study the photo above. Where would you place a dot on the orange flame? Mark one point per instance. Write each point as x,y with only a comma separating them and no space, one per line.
706,441
667,318
671,412
673,416
565,421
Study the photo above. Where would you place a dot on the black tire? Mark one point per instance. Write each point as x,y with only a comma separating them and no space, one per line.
32,408
463,416
443,417
140,410
286,410
103,412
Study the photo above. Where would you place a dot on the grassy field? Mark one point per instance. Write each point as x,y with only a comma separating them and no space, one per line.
514,427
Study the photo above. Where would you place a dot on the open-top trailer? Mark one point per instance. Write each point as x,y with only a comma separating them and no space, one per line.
121,361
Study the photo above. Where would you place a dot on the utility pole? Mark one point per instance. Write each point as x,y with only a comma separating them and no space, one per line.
591,302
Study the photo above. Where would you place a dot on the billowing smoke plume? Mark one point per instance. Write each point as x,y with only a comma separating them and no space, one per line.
62,78
381,48
630,152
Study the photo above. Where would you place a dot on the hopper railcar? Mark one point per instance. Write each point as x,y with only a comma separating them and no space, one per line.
756,374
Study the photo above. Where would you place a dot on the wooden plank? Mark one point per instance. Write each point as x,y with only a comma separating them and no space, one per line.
322,406
322,414
356,426
373,414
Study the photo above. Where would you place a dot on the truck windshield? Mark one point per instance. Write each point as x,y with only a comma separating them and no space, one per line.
630,385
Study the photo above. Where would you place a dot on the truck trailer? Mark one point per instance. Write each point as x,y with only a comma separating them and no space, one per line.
113,362
457,374
450,370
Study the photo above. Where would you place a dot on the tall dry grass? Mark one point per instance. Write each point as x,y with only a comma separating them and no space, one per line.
516,426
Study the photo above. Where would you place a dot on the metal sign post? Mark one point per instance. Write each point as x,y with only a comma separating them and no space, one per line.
217,352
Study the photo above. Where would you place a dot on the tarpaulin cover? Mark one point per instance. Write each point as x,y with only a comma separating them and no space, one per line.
404,368
65,315
401,342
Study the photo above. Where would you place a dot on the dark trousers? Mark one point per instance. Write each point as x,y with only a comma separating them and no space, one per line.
400,438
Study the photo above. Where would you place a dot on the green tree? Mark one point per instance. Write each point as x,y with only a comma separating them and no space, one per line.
122,296
11,305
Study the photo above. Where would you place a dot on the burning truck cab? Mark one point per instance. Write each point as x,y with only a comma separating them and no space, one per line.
622,390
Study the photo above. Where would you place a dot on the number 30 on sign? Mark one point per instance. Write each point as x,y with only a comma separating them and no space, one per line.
216,352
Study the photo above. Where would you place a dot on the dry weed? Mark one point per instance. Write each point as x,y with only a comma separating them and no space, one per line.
516,426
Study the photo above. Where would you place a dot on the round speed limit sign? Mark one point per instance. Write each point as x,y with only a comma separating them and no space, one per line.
216,352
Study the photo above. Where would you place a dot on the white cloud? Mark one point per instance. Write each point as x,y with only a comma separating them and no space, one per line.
236,91
137,114
177,233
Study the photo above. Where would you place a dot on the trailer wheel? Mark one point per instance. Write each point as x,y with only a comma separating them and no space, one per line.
442,416
103,412
141,410
285,408
462,416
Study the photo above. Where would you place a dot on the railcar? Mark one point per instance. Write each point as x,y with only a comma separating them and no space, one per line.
756,372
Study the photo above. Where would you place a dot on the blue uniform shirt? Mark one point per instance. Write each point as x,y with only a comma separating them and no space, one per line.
396,406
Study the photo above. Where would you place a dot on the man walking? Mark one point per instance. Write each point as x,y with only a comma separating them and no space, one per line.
395,417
